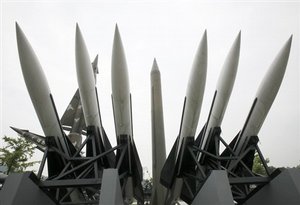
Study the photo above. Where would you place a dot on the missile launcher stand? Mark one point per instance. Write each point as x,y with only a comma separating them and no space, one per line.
242,180
76,179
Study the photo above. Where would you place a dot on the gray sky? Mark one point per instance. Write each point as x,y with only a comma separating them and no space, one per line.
171,32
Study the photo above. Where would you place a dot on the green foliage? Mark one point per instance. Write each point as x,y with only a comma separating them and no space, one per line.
258,166
16,153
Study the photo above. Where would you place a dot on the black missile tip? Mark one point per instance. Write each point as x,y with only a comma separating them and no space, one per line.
15,129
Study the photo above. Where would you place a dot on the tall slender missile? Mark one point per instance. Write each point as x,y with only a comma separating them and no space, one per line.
264,97
121,101
86,82
179,158
90,104
194,96
39,90
222,92
158,136
120,88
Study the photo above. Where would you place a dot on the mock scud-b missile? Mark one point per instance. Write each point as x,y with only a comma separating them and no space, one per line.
39,91
158,136
122,110
177,161
222,93
264,98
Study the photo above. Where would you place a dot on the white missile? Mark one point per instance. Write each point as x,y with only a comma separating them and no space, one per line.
264,97
38,89
194,95
86,83
222,92
158,136
176,161
121,101
120,88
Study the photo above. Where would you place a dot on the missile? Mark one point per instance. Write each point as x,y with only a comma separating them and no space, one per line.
158,136
121,102
194,96
222,93
120,88
73,118
39,90
89,100
86,82
264,98
38,140
179,158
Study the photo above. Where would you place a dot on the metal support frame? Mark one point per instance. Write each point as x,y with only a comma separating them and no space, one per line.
82,174
241,177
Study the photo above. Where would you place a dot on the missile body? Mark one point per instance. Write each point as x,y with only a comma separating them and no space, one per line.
179,159
86,83
120,88
223,92
158,136
39,91
264,98
194,96
121,101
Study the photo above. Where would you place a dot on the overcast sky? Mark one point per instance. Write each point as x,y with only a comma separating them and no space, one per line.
171,32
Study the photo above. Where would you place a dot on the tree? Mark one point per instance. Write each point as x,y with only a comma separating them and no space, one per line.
16,153
258,166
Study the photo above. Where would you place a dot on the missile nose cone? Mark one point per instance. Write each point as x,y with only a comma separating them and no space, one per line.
24,47
119,72
154,66
18,29
204,41
16,130
199,68
81,52
238,38
79,38
117,37
272,80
